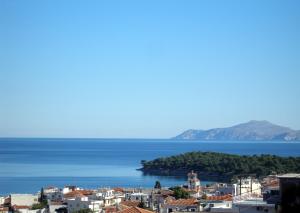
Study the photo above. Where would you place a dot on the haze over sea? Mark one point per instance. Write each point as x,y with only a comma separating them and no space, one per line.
29,164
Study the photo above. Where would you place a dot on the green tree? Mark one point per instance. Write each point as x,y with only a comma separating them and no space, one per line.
180,193
157,185
42,196
40,205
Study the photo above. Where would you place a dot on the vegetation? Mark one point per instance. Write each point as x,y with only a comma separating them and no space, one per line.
42,196
84,211
42,201
157,185
221,165
180,193
40,205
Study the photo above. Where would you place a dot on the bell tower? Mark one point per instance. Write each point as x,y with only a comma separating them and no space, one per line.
193,181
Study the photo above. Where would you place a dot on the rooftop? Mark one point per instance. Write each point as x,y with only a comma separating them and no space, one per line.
130,203
289,175
183,202
135,210
253,202
20,207
222,197
78,193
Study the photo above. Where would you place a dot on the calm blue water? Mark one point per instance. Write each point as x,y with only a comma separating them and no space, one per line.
28,164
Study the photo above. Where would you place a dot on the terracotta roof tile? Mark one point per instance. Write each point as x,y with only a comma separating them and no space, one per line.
183,202
20,207
118,189
130,203
135,210
110,209
224,197
78,193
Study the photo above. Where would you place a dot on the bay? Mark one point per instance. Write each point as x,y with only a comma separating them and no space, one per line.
27,164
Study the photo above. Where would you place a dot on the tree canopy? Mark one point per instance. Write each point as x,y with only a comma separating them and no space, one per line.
180,193
222,164
157,185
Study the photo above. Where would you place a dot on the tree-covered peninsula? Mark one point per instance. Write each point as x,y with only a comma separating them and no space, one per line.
220,166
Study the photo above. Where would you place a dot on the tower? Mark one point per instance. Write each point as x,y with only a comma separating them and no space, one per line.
193,181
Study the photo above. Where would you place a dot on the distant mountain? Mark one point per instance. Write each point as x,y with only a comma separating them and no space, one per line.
252,130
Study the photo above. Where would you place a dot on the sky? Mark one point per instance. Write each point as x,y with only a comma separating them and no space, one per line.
146,69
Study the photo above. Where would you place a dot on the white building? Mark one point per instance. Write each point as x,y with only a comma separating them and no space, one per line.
225,188
253,206
181,205
83,202
139,196
216,206
2,199
68,189
248,186
109,197
53,193
55,205
23,199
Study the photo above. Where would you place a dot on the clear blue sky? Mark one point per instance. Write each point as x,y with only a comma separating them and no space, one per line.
147,69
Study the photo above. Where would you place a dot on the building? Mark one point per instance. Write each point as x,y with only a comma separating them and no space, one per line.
68,189
23,199
216,206
139,196
160,197
2,200
134,210
193,182
83,202
76,193
289,188
53,193
109,197
4,209
181,205
225,189
248,187
256,205
54,206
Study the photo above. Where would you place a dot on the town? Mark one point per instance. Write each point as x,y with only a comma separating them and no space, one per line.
274,193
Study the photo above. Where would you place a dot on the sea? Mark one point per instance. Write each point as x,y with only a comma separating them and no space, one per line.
27,164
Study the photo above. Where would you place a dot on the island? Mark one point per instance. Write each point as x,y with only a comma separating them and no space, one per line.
220,166
250,131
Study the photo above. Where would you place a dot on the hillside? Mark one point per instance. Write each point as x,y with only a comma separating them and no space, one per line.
252,130
212,165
